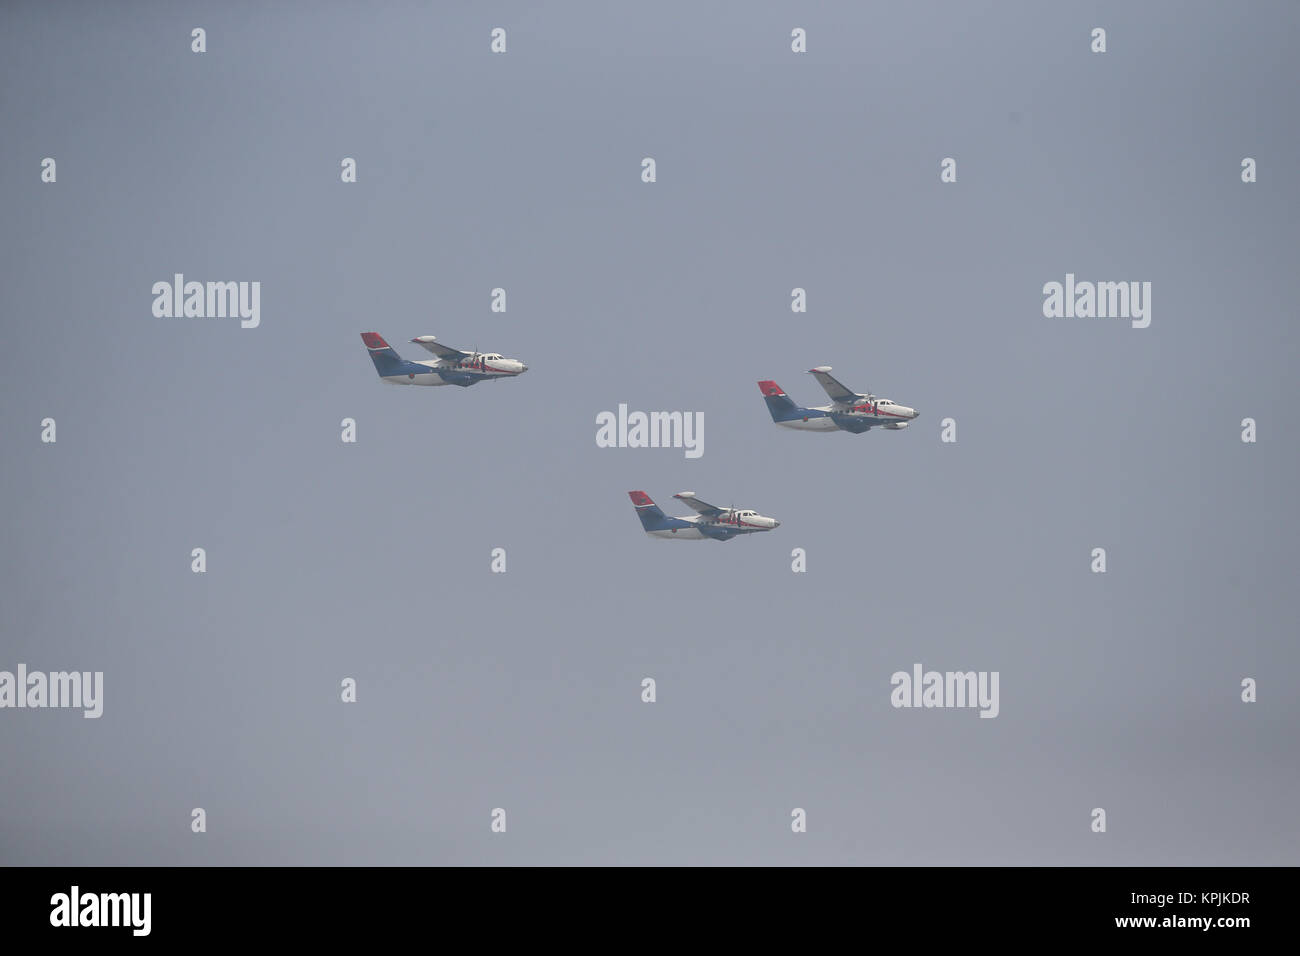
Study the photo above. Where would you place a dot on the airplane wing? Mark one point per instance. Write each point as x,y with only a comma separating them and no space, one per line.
851,423
458,377
440,350
703,507
832,385
716,533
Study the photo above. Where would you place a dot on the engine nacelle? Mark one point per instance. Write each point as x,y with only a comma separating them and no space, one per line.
896,426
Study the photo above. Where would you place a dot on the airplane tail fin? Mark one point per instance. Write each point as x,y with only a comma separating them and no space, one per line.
387,362
779,404
652,518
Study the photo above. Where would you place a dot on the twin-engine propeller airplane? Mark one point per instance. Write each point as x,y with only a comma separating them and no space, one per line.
848,411
451,367
720,524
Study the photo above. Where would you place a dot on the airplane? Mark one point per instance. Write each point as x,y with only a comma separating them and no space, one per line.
720,524
848,411
451,367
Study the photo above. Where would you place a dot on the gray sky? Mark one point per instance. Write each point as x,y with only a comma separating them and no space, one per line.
522,691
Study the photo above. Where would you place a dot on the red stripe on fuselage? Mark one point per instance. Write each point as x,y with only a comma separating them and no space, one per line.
867,409
739,523
484,367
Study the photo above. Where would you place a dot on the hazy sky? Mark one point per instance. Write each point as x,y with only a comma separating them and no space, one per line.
522,690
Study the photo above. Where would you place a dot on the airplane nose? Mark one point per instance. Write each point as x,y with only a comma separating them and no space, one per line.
775,523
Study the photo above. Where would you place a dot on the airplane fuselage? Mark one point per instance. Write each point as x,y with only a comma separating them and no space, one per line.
822,418
849,411
712,522
443,372
451,367
699,528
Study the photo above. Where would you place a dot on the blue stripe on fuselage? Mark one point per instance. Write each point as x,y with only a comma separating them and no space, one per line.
389,363
653,519
784,410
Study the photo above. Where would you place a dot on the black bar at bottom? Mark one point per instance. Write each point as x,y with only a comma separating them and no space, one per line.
375,905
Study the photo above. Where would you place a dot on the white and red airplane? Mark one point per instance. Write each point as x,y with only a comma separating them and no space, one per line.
849,411
720,524
451,367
